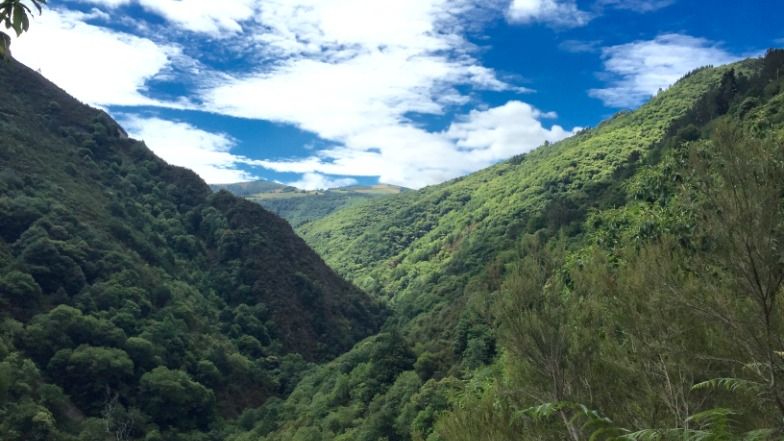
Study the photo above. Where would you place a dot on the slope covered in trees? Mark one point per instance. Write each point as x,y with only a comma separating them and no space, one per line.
621,284
303,206
134,302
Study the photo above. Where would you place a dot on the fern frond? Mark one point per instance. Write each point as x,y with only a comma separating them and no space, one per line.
666,434
707,417
607,433
545,410
760,435
729,384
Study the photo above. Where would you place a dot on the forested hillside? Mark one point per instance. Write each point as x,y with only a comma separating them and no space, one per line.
302,206
621,284
134,303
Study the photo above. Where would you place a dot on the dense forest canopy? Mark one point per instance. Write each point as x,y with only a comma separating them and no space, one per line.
623,284
299,207
615,285
132,299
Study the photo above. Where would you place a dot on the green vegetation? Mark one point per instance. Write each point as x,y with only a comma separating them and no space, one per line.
623,284
300,206
15,14
616,285
134,302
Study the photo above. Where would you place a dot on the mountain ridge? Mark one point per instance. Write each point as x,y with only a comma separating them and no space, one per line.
132,296
497,284
553,296
302,206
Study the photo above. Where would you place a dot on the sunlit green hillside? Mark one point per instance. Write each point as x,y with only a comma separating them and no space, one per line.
586,288
302,206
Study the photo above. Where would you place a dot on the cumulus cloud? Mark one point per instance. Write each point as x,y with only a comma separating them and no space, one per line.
500,132
360,75
474,141
317,181
353,72
95,64
178,143
560,13
639,69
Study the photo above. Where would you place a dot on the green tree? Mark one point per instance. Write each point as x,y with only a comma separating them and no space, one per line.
172,398
19,292
14,14
87,373
739,186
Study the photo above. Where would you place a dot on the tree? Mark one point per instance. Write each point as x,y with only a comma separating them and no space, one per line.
740,189
87,373
14,14
174,399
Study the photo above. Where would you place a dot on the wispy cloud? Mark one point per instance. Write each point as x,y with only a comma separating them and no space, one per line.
641,6
178,143
353,74
360,75
93,63
317,181
473,141
637,70
210,17
568,14
559,13
580,46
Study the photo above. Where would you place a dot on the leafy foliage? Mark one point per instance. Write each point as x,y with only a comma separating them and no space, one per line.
596,274
134,302
300,206
14,14
623,284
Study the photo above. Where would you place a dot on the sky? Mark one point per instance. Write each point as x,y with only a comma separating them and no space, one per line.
327,93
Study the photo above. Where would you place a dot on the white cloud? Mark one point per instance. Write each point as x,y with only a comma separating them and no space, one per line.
567,14
477,140
639,69
501,132
208,154
360,75
108,3
580,46
317,181
95,64
206,16
353,72
641,6
337,100
558,13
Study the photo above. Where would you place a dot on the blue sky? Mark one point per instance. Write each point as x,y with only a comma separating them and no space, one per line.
323,93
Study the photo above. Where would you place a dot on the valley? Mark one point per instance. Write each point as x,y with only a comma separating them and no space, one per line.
621,284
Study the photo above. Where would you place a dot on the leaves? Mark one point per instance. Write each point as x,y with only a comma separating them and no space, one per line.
728,384
14,14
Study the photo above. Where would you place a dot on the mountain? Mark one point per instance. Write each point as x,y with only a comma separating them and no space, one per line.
134,302
302,206
620,284
245,189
